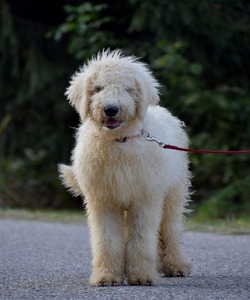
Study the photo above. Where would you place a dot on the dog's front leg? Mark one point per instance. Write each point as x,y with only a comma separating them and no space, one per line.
141,256
108,245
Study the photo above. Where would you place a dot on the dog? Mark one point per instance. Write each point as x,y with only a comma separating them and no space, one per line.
135,192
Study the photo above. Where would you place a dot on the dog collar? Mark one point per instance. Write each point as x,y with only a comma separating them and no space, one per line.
125,139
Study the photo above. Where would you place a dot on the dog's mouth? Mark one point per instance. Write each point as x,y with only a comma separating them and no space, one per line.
111,123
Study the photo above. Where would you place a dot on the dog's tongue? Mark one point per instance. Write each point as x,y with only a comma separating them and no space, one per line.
112,123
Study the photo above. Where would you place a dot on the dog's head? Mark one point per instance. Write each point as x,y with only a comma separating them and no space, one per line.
113,90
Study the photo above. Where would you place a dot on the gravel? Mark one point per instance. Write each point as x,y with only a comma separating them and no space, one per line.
53,261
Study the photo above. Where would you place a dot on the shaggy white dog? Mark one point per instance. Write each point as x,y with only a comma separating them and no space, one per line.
135,192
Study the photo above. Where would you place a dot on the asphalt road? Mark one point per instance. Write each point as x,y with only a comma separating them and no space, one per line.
52,261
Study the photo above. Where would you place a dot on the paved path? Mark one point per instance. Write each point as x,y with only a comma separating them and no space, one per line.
52,261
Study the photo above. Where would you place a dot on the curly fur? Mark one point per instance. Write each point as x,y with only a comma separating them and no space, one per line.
135,192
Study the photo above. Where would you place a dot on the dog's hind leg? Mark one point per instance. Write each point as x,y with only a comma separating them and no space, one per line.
108,244
172,262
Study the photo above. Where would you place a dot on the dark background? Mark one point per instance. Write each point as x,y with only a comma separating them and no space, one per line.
197,49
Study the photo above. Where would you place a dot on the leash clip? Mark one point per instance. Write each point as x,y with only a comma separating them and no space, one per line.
151,138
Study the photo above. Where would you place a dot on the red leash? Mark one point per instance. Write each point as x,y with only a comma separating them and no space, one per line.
166,146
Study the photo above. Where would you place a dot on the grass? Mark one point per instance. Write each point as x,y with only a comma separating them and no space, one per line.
59,216
229,226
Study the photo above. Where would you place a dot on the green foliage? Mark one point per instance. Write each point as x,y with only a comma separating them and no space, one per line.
224,201
197,49
83,27
32,117
22,179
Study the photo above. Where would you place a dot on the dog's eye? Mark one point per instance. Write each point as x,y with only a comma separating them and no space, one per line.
130,90
97,89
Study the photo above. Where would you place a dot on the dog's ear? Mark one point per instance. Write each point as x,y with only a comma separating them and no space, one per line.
78,93
152,93
147,94
147,85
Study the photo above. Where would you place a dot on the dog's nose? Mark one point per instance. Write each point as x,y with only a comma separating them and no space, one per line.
111,110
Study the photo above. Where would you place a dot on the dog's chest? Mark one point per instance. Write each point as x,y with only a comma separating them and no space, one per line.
115,175
116,171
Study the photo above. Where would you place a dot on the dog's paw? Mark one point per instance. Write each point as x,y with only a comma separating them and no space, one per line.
105,279
141,279
176,270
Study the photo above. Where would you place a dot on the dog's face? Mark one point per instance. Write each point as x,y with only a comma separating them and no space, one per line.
113,98
113,91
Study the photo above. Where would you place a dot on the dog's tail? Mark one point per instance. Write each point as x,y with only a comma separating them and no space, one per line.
68,179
